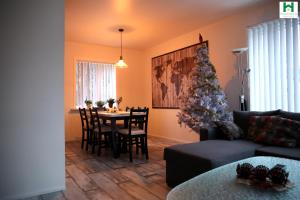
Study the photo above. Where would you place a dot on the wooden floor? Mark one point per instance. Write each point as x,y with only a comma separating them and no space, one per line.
91,177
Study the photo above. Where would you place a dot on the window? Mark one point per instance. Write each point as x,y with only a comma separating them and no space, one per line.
274,63
94,81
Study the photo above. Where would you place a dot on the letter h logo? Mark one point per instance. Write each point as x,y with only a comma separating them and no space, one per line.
288,9
287,6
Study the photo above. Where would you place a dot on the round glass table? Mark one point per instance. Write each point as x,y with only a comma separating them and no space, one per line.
221,183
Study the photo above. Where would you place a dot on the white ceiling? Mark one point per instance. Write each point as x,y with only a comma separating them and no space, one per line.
146,22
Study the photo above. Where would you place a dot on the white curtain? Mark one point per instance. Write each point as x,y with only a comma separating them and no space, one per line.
274,63
94,81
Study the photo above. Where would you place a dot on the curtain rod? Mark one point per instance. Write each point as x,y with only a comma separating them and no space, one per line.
93,61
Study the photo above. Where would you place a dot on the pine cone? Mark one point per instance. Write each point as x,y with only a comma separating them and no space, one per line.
261,172
278,175
244,170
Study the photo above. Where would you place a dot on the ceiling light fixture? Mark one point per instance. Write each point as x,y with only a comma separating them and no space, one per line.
121,63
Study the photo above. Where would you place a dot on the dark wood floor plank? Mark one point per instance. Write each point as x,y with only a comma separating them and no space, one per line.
83,181
148,169
157,155
68,161
98,195
156,179
156,189
110,187
112,162
92,166
133,176
67,174
75,159
160,190
137,191
73,191
115,176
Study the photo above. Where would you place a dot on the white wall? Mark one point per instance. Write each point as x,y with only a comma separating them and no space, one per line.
32,97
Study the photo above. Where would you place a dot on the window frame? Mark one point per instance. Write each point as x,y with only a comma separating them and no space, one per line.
75,61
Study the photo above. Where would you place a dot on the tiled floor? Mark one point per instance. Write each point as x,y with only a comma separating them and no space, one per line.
91,177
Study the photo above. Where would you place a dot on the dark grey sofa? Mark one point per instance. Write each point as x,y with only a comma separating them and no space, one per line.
184,161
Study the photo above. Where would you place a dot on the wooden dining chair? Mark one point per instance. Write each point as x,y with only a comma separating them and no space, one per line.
136,133
86,128
101,134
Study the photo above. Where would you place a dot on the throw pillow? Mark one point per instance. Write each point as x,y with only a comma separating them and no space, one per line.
258,124
273,130
241,118
229,130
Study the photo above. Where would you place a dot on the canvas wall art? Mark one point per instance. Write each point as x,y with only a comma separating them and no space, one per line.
171,74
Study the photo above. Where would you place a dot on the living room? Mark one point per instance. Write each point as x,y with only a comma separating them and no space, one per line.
46,42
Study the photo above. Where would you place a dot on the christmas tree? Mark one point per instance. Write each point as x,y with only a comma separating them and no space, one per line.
204,102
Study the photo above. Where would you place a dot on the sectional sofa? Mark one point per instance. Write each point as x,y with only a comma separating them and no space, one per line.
185,161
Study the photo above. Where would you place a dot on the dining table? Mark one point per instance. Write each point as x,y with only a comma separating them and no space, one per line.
113,117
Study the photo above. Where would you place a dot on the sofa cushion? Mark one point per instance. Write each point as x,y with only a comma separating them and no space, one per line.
229,130
210,154
241,118
274,130
292,153
292,116
289,115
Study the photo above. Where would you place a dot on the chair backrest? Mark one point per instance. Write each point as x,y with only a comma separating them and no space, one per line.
138,118
84,118
95,119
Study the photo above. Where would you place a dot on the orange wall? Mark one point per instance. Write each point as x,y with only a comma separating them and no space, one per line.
130,82
134,83
223,36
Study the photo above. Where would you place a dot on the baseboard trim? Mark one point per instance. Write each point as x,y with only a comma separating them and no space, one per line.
33,194
174,139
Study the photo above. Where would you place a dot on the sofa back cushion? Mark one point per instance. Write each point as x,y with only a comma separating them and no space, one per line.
289,115
241,118
274,130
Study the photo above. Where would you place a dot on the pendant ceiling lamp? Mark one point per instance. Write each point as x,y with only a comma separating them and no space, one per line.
121,63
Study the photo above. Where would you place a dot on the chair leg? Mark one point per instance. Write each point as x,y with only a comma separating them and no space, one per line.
82,139
87,140
130,149
146,148
120,145
111,141
100,143
137,145
106,139
124,144
143,145
94,141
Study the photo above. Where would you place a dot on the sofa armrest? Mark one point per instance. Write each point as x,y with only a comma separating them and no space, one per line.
210,133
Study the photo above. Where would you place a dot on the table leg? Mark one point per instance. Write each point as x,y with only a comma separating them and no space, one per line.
125,123
115,141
